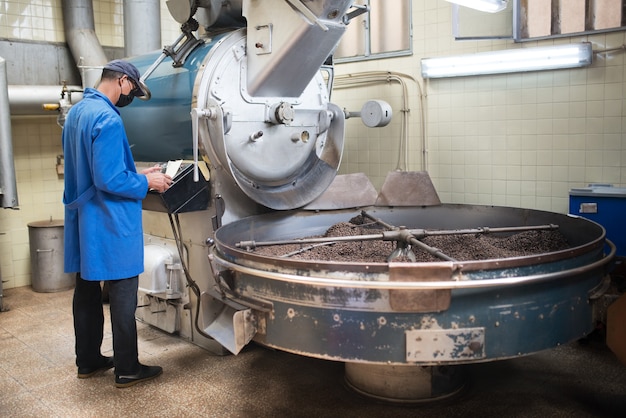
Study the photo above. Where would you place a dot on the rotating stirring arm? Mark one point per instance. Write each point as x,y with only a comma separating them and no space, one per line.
403,237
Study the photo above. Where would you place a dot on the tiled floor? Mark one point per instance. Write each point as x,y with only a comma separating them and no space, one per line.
38,378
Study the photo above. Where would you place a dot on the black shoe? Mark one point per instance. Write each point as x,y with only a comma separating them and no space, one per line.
86,372
145,373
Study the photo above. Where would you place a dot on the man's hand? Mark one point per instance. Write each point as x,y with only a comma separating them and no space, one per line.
156,179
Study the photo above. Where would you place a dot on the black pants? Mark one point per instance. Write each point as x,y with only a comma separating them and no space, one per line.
89,323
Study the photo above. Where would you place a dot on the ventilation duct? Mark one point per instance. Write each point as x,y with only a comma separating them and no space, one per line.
142,26
80,34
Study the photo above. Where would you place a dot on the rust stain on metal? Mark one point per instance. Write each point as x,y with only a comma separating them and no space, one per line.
420,300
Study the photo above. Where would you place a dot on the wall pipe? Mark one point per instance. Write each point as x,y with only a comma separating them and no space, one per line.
8,182
377,77
29,100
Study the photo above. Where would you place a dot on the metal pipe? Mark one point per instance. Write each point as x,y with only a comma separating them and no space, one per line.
436,252
156,63
142,27
29,100
396,234
87,52
80,33
8,183
375,77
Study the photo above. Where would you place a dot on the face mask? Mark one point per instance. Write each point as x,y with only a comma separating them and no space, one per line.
124,99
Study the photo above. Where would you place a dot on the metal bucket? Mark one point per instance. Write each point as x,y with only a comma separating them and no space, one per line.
46,257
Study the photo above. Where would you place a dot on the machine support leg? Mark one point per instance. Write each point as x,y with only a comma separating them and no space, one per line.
405,383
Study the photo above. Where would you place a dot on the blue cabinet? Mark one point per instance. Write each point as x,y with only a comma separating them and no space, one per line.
606,205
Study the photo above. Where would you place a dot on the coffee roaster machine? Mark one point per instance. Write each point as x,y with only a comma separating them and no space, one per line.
247,108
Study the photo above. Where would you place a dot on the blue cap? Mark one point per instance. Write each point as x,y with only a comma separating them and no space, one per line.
131,71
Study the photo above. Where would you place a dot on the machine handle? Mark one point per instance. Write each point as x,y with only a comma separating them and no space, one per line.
45,251
466,284
154,65
196,114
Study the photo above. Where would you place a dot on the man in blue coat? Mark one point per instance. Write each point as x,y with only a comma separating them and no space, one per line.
103,229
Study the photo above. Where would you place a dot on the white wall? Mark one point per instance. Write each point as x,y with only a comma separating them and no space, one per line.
515,140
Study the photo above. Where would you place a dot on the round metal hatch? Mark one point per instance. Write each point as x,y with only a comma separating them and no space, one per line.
283,152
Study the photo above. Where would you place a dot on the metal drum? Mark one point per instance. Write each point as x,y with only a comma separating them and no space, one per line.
159,129
373,315
46,257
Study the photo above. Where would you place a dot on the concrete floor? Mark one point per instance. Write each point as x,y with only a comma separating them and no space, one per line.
38,378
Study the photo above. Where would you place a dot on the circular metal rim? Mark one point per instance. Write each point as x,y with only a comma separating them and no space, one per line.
386,285
319,271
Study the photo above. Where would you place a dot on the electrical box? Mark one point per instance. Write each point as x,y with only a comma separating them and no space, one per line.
606,205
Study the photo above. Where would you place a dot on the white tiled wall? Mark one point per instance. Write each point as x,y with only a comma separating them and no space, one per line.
36,144
33,20
109,20
516,140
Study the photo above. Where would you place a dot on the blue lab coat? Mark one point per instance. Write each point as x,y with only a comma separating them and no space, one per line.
103,193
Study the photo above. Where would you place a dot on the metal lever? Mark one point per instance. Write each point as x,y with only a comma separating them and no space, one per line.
359,10
178,56
156,63
196,114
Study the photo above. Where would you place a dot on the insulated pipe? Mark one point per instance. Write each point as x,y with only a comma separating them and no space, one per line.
80,34
142,27
87,52
8,183
29,100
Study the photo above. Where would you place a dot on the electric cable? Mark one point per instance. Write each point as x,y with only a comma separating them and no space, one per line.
190,282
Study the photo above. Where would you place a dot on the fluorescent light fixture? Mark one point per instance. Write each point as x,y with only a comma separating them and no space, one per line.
491,6
509,61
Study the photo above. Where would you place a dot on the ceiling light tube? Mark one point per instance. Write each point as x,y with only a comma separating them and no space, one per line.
509,61
491,6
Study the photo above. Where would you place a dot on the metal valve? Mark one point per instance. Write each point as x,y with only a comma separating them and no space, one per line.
282,113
